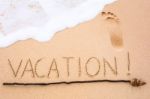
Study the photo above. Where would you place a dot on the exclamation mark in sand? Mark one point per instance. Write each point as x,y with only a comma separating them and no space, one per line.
129,64
114,29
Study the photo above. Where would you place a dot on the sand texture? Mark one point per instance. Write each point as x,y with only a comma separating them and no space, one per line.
120,34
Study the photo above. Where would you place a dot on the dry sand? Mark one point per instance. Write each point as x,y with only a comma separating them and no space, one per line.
100,37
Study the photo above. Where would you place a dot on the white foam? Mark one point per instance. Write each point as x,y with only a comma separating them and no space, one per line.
41,19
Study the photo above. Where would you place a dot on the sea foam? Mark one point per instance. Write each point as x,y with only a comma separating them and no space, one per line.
41,19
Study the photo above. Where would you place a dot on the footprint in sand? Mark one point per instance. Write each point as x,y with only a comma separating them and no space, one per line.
114,29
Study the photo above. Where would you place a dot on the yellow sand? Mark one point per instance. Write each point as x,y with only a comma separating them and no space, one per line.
95,38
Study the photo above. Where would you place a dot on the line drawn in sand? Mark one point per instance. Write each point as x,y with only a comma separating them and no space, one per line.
114,29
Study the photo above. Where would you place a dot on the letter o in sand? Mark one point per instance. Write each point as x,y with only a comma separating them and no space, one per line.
92,67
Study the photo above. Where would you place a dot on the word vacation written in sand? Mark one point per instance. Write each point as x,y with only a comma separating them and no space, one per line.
69,67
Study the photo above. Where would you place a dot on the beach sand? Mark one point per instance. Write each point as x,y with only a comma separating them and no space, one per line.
126,31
